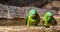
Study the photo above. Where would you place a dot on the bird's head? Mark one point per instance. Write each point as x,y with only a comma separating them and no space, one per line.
49,14
33,13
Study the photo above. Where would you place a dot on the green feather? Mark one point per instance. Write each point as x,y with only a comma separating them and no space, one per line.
48,20
30,18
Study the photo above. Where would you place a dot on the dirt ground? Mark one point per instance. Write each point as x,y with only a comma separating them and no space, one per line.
29,29
8,22
18,25
19,21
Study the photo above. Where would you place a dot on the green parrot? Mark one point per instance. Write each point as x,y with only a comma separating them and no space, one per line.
49,20
33,18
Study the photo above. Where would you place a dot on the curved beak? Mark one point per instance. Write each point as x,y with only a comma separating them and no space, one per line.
34,15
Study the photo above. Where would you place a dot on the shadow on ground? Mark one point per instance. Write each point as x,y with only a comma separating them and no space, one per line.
17,22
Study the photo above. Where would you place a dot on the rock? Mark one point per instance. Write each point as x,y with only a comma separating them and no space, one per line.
56,4
52,5
20,12
48,6
56,0
58,12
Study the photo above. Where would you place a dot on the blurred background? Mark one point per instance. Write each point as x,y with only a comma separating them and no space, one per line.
44,4
14,12
13,15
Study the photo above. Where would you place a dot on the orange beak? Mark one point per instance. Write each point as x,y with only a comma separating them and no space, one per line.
34,15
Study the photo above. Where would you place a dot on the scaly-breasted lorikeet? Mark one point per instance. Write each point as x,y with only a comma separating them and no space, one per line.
33,18
49,20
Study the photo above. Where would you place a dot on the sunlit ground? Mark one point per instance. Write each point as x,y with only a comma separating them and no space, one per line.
18,25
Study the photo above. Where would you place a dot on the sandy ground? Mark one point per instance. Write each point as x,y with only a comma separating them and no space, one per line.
29,29
18,25
20,21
